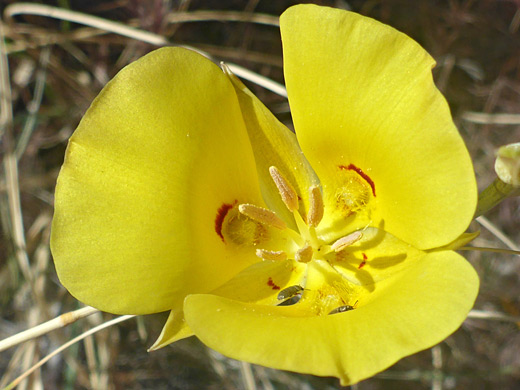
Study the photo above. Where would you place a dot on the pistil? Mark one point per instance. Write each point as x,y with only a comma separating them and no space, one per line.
304,255
308,233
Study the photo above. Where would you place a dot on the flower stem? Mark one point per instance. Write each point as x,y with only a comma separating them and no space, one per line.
495,250
495,193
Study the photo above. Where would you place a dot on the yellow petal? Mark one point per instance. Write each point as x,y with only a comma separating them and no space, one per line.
174,329
145,175
377,256
260,283
274,145
362,93
409,312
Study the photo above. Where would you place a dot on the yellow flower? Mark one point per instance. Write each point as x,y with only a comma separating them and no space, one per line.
180,191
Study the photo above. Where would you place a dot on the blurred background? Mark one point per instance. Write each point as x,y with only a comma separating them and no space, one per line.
55,68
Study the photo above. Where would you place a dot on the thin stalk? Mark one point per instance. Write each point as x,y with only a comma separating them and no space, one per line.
484,249
495,193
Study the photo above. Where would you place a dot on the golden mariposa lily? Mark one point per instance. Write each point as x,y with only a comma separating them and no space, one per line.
317,253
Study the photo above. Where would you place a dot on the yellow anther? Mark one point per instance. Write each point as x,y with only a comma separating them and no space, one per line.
346,241
271,255
286,190
304,255
264,216
316,206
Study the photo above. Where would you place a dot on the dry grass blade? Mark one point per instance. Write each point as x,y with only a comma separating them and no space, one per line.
257,79
492,119
34,105
107,324
39,330
223,16
6,110
497,233
437,375
13,365
247,376
130,32
81,18
493,316
11,167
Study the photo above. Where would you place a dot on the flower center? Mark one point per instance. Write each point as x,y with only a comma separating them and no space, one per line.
326,290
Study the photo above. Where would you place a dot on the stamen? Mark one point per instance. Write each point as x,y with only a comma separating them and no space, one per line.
346,241
316,207
286,190
304,255
271,255
264,216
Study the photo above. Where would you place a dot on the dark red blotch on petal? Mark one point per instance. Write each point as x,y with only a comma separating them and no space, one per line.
271,284
359,171
362,264
219,219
